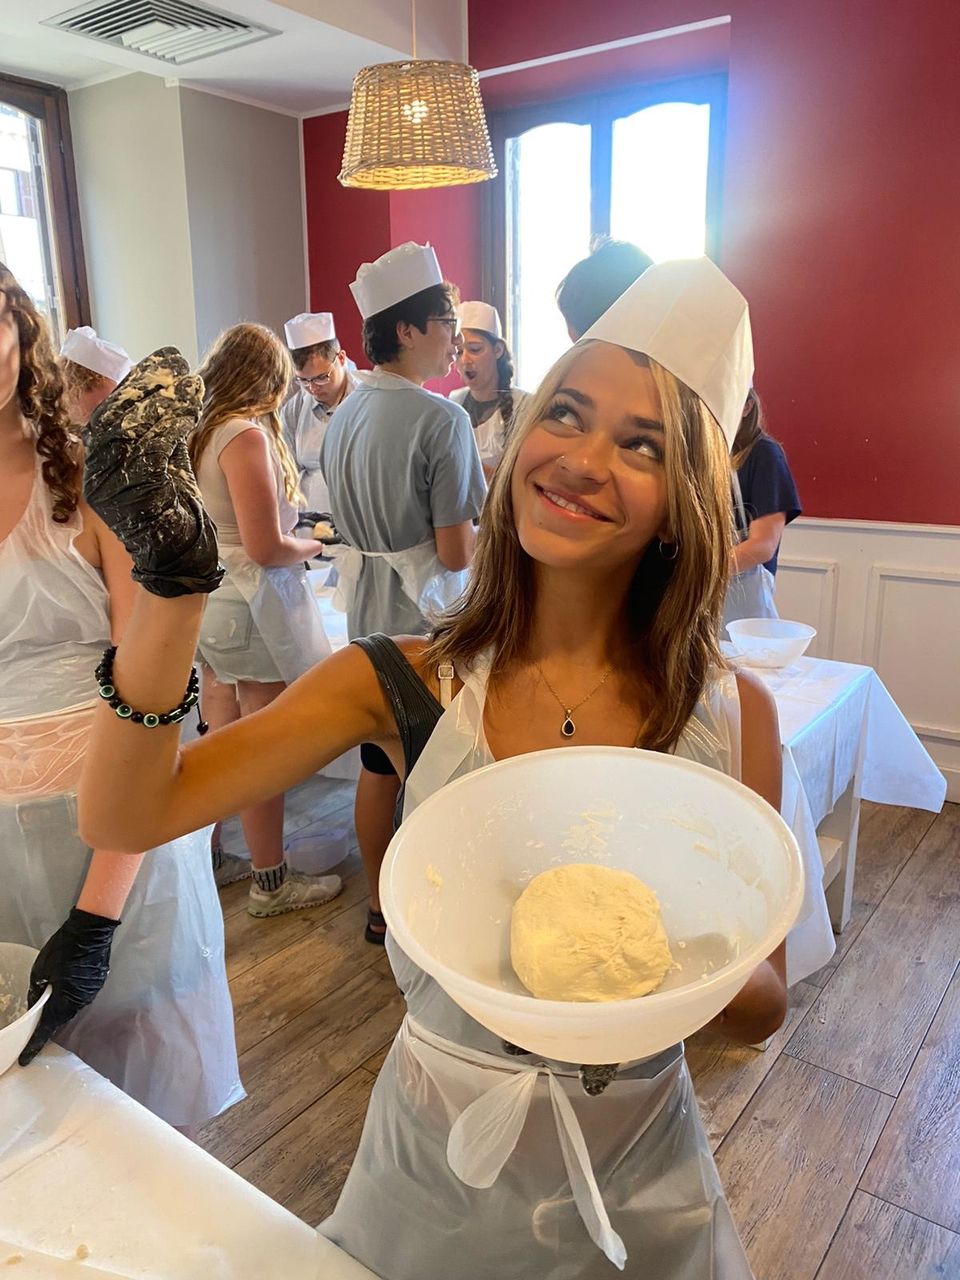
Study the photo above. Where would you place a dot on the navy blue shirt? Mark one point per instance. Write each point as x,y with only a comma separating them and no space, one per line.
767,487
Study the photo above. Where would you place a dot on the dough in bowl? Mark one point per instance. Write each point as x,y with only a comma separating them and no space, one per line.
584,932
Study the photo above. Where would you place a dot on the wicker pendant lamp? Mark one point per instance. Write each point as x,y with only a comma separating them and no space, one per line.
416,124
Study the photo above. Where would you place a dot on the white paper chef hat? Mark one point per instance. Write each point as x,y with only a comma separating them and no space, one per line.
688,317
309,328
82,346
397,274
480,315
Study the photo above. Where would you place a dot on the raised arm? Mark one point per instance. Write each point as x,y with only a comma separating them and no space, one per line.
139,789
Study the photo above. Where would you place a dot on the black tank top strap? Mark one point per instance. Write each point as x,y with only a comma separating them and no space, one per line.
414,707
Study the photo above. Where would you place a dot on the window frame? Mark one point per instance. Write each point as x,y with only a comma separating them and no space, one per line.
47,103
599,112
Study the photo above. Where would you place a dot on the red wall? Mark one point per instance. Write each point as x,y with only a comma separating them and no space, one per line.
840,215
344,228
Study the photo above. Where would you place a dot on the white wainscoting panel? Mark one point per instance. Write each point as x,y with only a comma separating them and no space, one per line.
887,595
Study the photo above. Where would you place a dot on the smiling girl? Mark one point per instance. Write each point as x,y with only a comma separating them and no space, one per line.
592,618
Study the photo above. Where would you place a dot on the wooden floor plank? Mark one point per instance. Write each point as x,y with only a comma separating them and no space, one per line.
250,940
889,834
917,1161
726,1075
872,1015
790,1164
281,987
877,1241
287,1072
305,1164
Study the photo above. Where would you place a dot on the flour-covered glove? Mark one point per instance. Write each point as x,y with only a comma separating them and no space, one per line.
75,961
138,478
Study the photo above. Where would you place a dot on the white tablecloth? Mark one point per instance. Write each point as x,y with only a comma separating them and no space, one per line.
839,724
84,1167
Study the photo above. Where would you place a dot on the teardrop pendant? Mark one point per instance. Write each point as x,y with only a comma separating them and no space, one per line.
568,728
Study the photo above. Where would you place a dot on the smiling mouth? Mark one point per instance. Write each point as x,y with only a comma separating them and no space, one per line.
567,504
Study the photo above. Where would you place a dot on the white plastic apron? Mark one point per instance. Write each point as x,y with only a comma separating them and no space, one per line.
162,1026
750,594
425,580
475,1162
284,609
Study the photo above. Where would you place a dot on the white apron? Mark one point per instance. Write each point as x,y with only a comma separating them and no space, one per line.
474,1162
162,1026
425,579
283,609
750,595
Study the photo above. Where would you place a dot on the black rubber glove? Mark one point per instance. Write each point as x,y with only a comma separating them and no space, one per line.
75,961
138,478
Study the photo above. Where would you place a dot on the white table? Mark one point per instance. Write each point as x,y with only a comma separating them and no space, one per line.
84,1167
844,740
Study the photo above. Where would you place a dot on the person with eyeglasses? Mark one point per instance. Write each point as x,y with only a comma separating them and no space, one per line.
323,380
406,485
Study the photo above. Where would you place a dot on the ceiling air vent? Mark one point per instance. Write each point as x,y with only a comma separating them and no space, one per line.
170,30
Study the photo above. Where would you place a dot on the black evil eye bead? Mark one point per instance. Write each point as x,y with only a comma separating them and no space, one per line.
124,712
107,691
150,721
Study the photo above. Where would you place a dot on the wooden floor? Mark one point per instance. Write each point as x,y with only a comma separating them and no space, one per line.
839,1146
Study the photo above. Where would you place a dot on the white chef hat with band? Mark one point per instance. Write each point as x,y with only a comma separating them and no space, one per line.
83,347
687,316
309,328
480,315
397,274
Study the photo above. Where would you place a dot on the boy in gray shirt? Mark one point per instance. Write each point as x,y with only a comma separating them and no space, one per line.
406,486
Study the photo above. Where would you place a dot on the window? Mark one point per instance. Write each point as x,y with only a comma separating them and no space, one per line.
639,166
39,218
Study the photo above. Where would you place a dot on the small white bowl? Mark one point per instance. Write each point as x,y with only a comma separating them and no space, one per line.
16,962
769,642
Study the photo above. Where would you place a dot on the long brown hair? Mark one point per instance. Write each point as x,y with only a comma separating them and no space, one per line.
751,429
673,607
246,374
40,398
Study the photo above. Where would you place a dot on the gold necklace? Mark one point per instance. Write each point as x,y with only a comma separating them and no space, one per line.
569,728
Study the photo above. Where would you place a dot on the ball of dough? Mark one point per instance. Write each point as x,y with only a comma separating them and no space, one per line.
322,529
583,932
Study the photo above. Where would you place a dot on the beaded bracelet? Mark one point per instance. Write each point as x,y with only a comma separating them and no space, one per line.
149,719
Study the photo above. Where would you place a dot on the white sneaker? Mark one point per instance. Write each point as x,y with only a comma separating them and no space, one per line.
296,892
231,869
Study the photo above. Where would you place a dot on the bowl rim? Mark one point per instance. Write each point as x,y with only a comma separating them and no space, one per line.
37,1005
805,632
549,1009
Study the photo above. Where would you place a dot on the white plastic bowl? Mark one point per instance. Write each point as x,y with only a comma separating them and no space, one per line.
725,865
769,642
15,964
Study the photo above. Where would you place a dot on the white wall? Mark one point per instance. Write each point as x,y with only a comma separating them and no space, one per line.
133,206
192,213
887,595
242,173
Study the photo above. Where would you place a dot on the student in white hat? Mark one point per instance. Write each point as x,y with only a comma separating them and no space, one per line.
323,380
92,368
406,485
592,617
488,393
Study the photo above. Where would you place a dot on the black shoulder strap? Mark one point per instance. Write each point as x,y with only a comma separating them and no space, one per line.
414,707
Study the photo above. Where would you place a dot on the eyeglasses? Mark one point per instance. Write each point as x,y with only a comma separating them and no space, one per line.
451,322
320,380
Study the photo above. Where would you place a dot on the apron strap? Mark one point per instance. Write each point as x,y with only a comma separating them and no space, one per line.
484,1135
445,675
